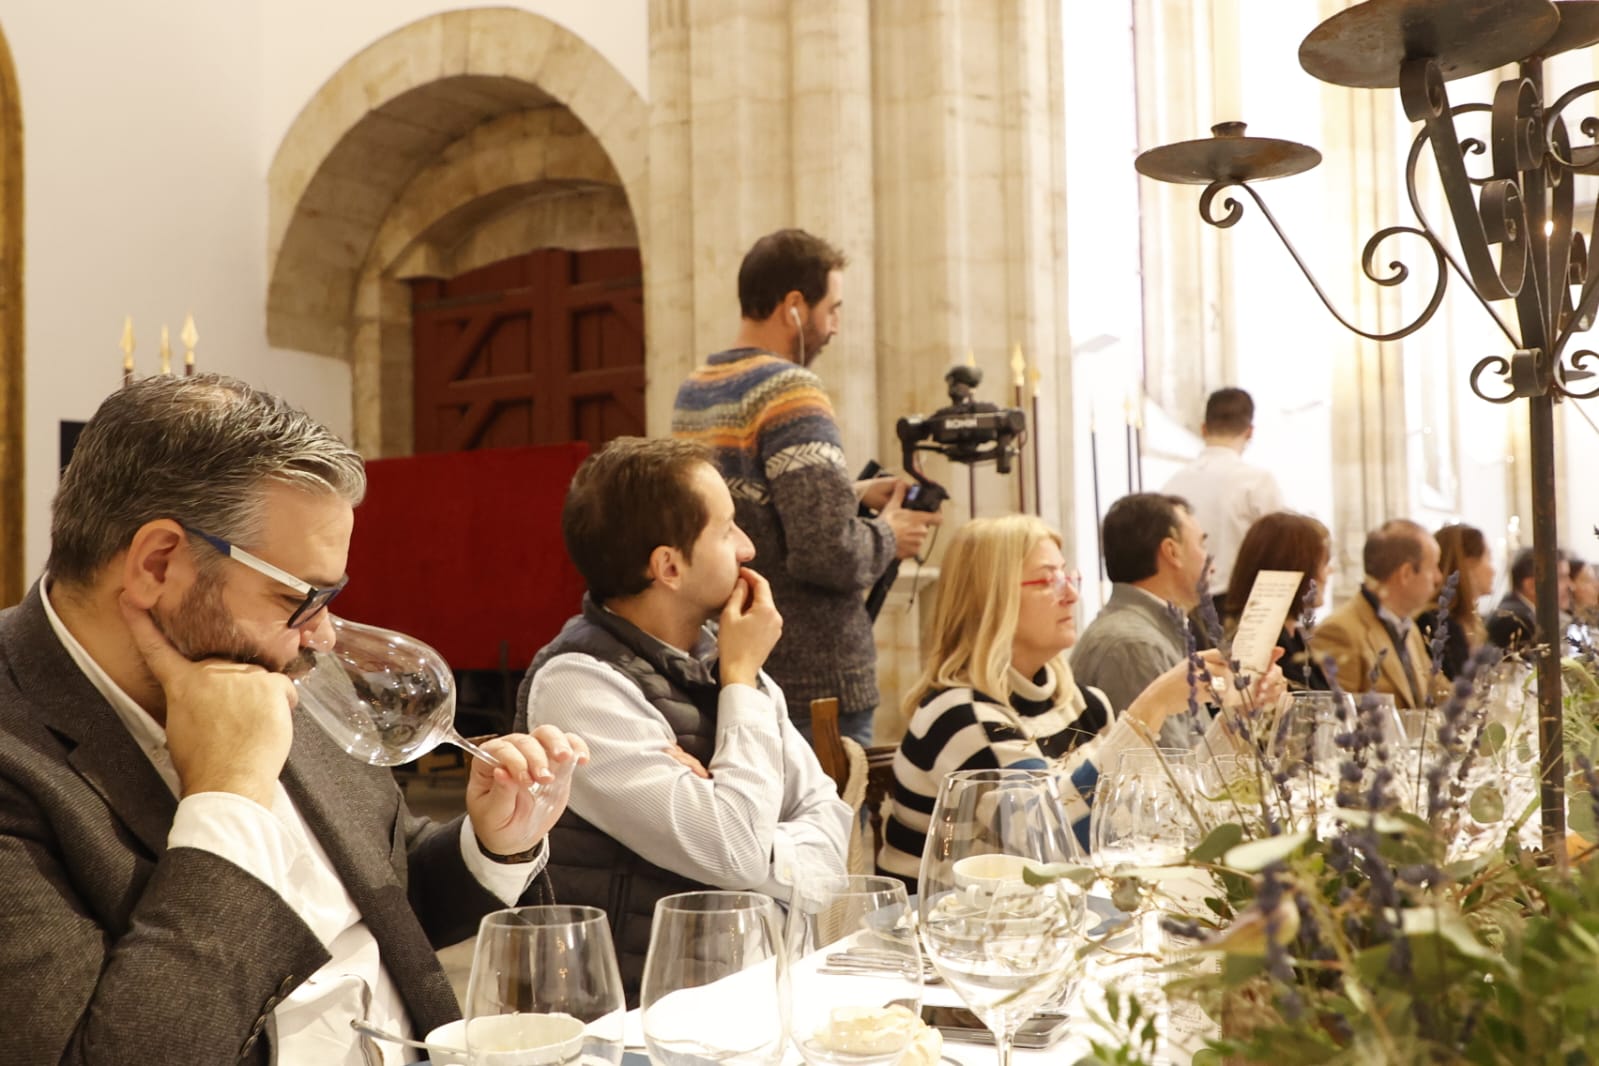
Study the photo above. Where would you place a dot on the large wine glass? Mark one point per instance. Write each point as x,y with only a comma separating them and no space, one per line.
544,989
1144,818
1304,746
855,970
386,698
1003,937
714,977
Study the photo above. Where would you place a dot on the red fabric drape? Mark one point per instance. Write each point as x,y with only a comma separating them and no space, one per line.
463,550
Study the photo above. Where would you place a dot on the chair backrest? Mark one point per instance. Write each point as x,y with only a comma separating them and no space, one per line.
879,786
828,741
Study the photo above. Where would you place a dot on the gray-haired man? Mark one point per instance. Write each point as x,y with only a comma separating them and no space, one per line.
187,876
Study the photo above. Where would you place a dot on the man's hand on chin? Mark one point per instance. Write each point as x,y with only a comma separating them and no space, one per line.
507,818
750,626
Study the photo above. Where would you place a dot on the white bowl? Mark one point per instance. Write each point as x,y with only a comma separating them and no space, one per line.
988,872
509,1040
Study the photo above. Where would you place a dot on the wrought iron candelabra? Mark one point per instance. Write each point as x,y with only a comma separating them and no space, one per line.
1515,229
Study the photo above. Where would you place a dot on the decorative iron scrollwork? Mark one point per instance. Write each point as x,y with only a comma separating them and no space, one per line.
1397,274
1499,366
1572,368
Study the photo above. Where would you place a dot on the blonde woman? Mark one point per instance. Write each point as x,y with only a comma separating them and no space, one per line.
997,691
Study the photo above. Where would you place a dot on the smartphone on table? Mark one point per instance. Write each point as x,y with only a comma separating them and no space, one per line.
1042,1030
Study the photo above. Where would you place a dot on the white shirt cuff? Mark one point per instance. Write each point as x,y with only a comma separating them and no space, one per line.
745,705
506,881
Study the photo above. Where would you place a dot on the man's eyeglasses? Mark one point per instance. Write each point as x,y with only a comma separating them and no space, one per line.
315,598
1059,580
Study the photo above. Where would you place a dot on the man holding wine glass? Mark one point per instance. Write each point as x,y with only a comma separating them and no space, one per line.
190,873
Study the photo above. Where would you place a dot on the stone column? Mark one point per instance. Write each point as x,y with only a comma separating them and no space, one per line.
830,146
669,264
1369,447
1187,273
739,122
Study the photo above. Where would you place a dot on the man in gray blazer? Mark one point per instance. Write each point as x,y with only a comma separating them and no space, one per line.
1155,557
187,873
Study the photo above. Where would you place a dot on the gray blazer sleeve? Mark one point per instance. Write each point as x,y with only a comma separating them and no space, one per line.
208,951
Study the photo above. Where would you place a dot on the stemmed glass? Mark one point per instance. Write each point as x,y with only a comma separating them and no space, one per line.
855,970
384,697
1002,936
1143,817
544,989
714,981
1304,745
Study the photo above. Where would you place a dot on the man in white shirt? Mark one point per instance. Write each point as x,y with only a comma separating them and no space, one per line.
698,778
189,873
1226,493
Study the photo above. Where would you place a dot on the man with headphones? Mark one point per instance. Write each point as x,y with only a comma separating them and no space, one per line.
768,422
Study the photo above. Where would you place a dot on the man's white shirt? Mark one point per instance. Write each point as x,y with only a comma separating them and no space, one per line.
311,1026
767,813
1226,496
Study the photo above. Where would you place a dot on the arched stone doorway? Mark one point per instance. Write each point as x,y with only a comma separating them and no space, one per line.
11,331
453,142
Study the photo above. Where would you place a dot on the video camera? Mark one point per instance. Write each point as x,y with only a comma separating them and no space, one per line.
967,431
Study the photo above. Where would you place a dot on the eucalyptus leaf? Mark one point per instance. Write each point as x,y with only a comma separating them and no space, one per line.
1449,926
1580,815
1493,739
1259,854
1217,842
1049,873
1487,803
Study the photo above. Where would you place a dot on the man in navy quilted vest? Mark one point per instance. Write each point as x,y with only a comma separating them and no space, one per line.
697,777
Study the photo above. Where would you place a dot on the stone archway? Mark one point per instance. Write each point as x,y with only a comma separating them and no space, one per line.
451,137
12,526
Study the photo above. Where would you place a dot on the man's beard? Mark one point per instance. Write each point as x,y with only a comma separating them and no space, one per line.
201,628
808,344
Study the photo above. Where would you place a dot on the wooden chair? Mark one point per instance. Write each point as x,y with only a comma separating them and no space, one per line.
828,741
879,786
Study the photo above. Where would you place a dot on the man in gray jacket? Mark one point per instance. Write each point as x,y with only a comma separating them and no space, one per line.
1155,558
189,871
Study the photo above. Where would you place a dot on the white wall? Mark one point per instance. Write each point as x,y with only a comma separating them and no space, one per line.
144,195
148,130
297,61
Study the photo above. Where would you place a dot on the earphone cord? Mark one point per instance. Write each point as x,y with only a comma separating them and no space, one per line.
916,575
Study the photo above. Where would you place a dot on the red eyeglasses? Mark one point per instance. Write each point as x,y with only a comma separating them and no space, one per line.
1059,580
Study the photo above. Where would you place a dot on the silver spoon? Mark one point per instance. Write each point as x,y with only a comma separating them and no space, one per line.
366,1028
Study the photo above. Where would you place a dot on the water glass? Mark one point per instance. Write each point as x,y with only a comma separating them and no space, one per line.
1143,811
855,970
544,989
714,981
1001,935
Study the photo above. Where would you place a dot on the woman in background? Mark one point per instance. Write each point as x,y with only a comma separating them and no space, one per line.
1284,540
997,691
1462,550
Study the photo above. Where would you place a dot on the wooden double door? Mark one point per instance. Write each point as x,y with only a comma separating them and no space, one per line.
544,348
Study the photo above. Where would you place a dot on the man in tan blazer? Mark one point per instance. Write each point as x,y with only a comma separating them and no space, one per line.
1373,639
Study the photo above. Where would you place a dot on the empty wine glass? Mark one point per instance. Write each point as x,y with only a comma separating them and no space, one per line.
855,970
386,698
1304,746
714,980
1002,937
1143,818
544,989
1142,815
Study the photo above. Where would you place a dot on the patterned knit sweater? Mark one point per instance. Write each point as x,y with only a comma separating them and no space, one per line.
771,429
